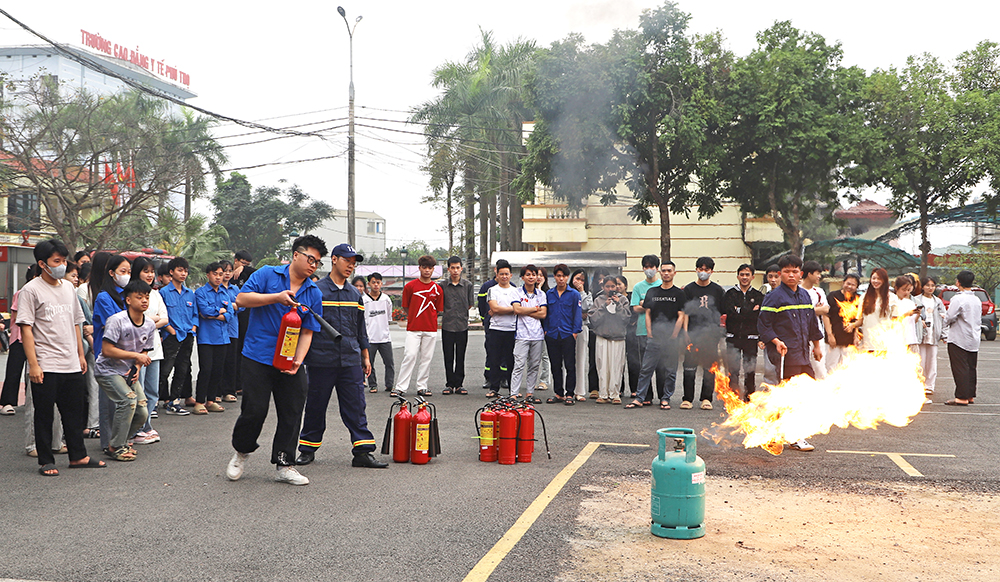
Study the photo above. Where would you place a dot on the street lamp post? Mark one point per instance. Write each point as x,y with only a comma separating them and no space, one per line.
403,253
351,239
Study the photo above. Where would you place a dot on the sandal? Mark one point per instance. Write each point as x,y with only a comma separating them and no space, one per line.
569,402
581,398
616,401
446,391
373,390
48,470
91,463
461,391
664,405
92,433
634,404
120,454
492,394
555,399
530,398
601,401
229,398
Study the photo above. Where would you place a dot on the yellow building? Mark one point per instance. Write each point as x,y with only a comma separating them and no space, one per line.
726,237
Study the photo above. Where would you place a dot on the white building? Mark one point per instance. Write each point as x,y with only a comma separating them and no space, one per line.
369,231
20,66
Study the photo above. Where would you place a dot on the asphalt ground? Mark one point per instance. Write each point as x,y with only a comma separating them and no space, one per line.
172,514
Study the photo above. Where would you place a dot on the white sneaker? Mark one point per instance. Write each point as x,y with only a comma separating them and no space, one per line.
291,476
153,436
801,445
928,401
142,438
235,468
7,410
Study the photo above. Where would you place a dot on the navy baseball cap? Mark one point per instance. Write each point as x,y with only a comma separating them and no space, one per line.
347,251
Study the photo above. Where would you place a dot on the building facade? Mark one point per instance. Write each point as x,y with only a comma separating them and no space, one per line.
369,231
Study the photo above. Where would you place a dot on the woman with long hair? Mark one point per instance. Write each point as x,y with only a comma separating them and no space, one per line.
98,272
877,310
909,310
935,328
144,270
596,287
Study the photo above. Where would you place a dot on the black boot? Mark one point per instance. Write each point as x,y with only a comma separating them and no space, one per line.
305,457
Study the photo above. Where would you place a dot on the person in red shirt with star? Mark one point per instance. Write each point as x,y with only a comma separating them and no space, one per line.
423,299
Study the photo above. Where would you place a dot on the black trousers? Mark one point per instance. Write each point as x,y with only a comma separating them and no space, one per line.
68,392
592,381
502,352
633,360
230,372
489,360
260,383
211,371
176,359
742,352
454,344
963,369
12,381
562,353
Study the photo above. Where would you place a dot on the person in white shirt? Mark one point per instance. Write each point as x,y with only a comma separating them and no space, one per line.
812,273
378,313
877,310
530,309
932,319
964,319
904,289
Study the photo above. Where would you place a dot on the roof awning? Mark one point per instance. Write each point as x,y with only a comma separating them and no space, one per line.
869,251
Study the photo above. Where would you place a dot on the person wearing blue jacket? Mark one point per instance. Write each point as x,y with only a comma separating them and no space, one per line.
787,326
178,338
562,324
342,365
231,368
215,312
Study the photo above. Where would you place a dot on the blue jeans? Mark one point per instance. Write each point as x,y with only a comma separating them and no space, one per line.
149,377
130,408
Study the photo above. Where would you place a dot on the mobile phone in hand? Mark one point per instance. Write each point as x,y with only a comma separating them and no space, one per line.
133,375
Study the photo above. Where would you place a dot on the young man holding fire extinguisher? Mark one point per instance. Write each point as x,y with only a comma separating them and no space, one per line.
342,365
268,294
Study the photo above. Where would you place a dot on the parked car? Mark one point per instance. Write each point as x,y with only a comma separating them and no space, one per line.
989,323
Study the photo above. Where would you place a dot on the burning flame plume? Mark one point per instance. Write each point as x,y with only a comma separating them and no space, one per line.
866,388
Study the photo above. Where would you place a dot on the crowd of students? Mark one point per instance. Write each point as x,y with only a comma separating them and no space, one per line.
105,339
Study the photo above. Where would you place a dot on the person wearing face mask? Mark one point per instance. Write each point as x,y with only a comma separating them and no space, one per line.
48,313
703,329
650,268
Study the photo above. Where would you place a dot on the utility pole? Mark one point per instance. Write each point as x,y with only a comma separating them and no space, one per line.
351,235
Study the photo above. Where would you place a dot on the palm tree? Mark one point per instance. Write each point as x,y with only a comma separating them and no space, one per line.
480,110
199,150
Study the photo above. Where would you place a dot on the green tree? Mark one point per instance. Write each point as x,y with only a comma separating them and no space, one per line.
58,145
194,240
984,263
925,149
645,108
796,123
442,168
200,154
265,220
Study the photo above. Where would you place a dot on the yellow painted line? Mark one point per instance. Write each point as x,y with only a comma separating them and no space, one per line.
898,459
484,568
902,464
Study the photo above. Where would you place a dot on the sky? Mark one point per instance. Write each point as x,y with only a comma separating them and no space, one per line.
288,65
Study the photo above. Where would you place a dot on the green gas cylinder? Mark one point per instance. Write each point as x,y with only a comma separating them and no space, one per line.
678,497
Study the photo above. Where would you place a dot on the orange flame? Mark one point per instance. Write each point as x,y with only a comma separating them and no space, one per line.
802,407
850,310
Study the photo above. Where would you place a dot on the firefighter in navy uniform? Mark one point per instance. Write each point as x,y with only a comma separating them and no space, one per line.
342,365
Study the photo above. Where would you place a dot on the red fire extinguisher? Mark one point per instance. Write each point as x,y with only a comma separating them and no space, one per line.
507,421
398,426
525,434
420,436
288,340
487,440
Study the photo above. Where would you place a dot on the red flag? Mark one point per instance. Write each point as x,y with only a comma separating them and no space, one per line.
130,174
107,173
120,173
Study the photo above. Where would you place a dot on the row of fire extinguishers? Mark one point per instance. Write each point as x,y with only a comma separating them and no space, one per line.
415,436
506,428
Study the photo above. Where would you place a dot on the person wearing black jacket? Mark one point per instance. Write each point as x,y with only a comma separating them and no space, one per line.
741,308
484,314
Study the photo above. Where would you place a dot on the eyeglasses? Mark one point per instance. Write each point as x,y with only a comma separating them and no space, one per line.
313,261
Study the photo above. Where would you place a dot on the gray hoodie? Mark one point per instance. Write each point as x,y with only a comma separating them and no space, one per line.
603,322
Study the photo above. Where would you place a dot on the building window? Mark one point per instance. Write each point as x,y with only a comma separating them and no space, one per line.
374,227
23,211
